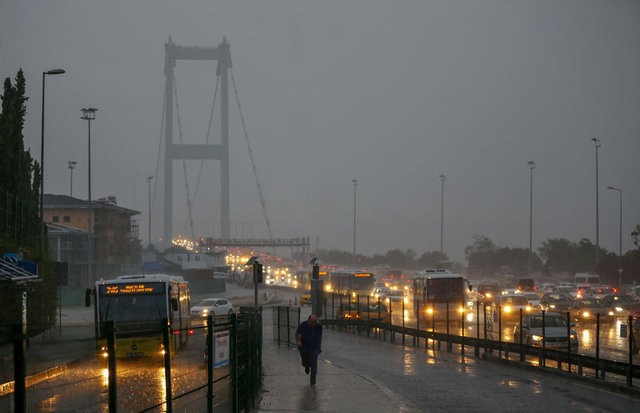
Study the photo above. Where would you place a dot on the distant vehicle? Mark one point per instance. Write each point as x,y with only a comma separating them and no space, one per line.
489,290
586,278
353,283
363,311
526,284
511,304
305,297
619,304
436,290
601,292
548,288
586,310
534,300
395,296
556,302
552,331
215,306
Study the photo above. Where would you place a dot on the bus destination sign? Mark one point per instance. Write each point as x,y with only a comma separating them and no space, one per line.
135,288
362,274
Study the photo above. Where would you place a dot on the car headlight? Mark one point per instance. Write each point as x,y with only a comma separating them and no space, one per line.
552,306
536,338
429,310
507,309
619,309
461,310
528,308
586,314
205,311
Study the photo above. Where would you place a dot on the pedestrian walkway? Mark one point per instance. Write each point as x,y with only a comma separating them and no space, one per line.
286,386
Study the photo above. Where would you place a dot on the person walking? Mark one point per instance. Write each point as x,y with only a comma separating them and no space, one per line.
309,341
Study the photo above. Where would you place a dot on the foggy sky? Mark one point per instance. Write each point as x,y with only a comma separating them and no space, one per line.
390,93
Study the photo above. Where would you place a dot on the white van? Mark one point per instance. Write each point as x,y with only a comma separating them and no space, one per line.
586,278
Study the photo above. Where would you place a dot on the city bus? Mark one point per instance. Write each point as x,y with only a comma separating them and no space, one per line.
137,304
352,283
433,290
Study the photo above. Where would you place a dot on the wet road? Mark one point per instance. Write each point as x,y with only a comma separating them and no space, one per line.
420,380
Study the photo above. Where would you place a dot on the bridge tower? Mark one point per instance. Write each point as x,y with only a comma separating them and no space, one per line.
219,151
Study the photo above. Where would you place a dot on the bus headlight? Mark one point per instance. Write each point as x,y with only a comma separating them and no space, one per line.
507,309
327,288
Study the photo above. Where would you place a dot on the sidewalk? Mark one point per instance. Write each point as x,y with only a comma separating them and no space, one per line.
286,387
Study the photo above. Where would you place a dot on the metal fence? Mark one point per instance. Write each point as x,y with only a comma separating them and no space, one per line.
285,323
485,330
219,369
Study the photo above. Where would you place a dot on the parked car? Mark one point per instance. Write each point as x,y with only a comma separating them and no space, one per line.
554,334
586,310
556,302
215,306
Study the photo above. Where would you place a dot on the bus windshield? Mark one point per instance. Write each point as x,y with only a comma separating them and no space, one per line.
445,289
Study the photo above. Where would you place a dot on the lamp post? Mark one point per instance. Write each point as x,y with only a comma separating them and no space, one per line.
442,179
149,179
44,74
532,166
597,145
71,165
89,114
620,240
355,184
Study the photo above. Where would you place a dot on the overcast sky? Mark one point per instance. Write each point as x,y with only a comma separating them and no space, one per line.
390,93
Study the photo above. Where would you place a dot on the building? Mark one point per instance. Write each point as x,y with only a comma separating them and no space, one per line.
114,236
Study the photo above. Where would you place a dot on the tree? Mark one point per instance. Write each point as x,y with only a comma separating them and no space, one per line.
432,259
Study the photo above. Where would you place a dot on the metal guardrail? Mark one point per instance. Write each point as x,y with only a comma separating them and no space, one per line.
484,342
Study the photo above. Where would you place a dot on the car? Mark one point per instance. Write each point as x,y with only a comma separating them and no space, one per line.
534,299
489,290
585,310
215,306
619,304
395,296
601,292
510,305
553,335
375,312
556,302
348,311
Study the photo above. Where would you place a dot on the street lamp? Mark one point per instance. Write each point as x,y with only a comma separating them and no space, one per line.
71,165
89,114
532,166
620,241
149,179
597,145
44,74
355,184
442,178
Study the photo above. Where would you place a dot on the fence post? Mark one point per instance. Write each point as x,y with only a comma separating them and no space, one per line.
19,368
111,363
417,337
210,363
403,322
500,331
462,330
568,342
520,338
477,348
167,363
630,364
597,343
234,363
449,347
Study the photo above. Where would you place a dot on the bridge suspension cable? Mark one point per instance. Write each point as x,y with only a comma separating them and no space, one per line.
253,164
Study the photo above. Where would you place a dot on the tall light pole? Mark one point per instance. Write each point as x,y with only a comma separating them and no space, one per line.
89,114
355,184
71,165
597,145
620,241
442,179
532,166
149,179
44,74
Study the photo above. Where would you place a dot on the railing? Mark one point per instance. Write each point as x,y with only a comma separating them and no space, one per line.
220,369
285,323
485,336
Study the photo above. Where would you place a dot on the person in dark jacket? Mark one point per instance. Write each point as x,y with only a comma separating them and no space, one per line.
309,341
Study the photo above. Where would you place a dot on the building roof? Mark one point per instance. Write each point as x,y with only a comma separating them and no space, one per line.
57,229
52,201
